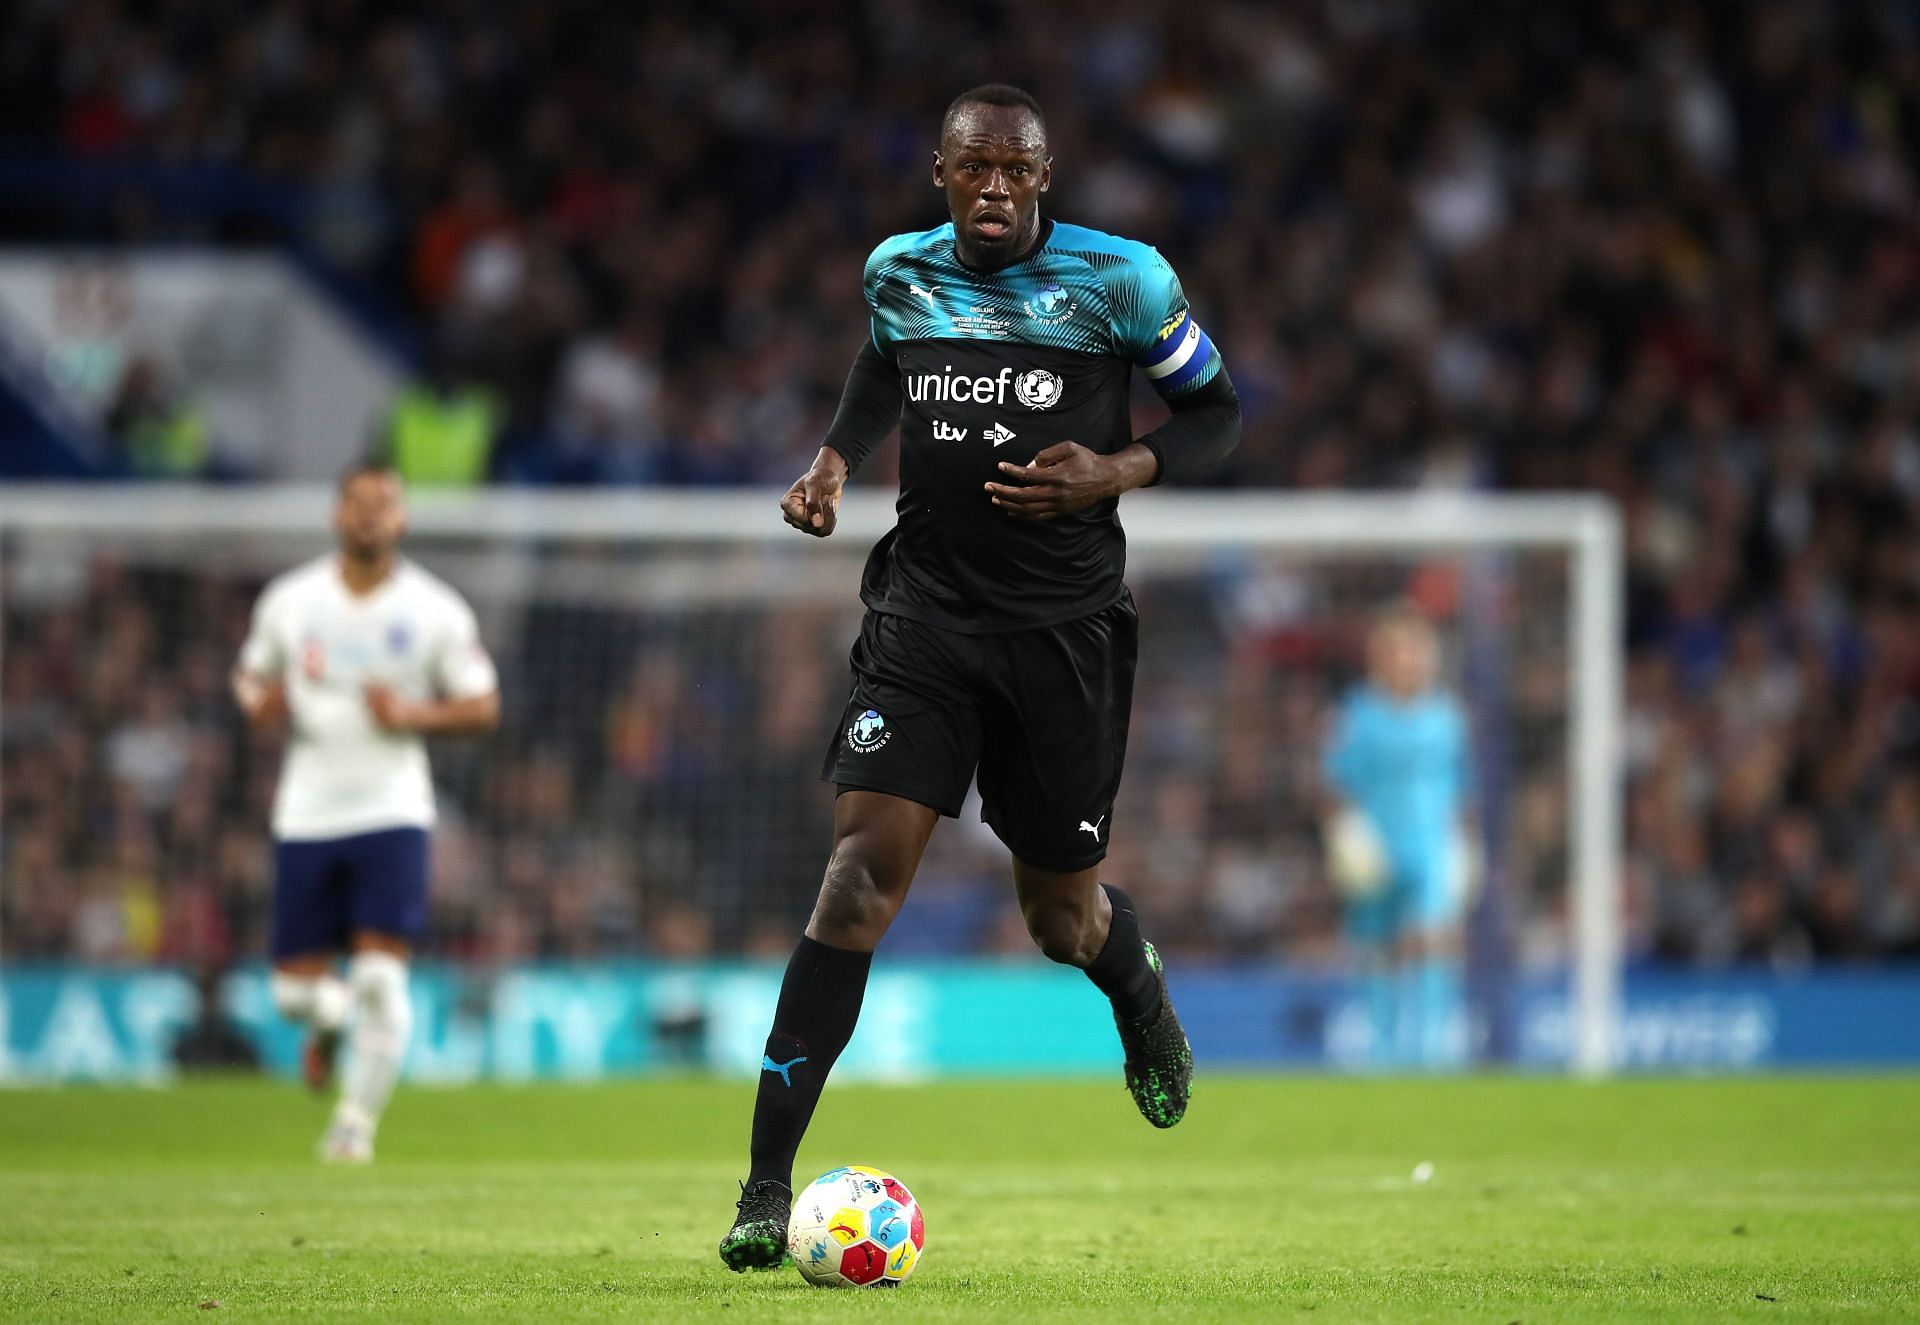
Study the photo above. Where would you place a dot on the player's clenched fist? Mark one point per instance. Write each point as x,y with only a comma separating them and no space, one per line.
389,711
1066,478
812,504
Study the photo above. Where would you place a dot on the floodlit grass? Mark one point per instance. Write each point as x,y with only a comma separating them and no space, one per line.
1277,1199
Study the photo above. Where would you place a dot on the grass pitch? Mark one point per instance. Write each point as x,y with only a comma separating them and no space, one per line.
1277,1199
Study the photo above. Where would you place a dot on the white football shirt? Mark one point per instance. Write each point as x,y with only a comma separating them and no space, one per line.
413,633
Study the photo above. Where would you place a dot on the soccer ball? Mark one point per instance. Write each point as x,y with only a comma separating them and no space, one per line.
856,1227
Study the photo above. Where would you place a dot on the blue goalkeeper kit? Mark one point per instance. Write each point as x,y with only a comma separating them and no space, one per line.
1403,763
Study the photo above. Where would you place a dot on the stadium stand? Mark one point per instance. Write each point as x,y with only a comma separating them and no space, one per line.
1665,252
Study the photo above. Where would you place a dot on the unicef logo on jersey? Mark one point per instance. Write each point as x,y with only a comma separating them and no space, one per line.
1052,304
1039,389
868,733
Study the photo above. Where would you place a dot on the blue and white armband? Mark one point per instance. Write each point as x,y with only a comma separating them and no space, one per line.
1182,357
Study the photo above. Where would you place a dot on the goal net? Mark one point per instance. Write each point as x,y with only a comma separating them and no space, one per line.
673,666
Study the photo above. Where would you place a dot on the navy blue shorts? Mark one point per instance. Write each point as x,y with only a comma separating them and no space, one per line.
325,891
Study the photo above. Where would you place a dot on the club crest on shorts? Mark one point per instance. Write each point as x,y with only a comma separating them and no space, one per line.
868,733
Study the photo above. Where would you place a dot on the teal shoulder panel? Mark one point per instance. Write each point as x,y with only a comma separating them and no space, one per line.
899,288
1151,325
1084,290
1142,291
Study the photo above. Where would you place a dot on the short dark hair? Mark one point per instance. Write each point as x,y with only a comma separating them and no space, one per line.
993,94
367,465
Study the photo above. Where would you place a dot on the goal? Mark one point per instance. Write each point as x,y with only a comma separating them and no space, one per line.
673,664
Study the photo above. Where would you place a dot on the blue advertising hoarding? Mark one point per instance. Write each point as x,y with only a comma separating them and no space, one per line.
72,1023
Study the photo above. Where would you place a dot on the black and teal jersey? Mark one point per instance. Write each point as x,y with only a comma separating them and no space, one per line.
999,366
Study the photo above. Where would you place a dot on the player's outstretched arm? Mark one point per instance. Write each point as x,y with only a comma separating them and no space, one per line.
471,716
262,702
812,504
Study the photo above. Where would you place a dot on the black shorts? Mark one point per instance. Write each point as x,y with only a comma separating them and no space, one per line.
1042,714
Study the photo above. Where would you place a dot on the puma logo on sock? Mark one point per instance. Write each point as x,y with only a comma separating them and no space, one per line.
768,1065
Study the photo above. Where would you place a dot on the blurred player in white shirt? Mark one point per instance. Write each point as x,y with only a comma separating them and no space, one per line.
364,654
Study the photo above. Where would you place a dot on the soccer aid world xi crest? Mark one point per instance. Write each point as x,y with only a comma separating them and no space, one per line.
868,733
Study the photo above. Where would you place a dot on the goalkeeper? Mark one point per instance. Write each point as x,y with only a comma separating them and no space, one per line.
1399,847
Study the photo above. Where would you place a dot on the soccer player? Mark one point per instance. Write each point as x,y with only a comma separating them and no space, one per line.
999,635
363,654
1398,844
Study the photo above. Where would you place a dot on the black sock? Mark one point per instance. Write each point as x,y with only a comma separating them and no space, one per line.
819,1004
1121,971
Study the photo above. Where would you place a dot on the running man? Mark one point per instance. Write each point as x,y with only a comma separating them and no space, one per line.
1000,636
363,654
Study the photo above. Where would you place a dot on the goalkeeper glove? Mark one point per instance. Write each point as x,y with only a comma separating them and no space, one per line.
1356,857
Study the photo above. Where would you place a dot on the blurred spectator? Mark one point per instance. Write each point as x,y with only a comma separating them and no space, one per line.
606,424
443,428
162,432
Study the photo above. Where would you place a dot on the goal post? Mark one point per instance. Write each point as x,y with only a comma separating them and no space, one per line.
699,559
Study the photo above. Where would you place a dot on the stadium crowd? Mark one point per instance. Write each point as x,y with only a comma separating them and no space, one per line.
1665,252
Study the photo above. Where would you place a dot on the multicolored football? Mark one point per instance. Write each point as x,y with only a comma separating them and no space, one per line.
856,1228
